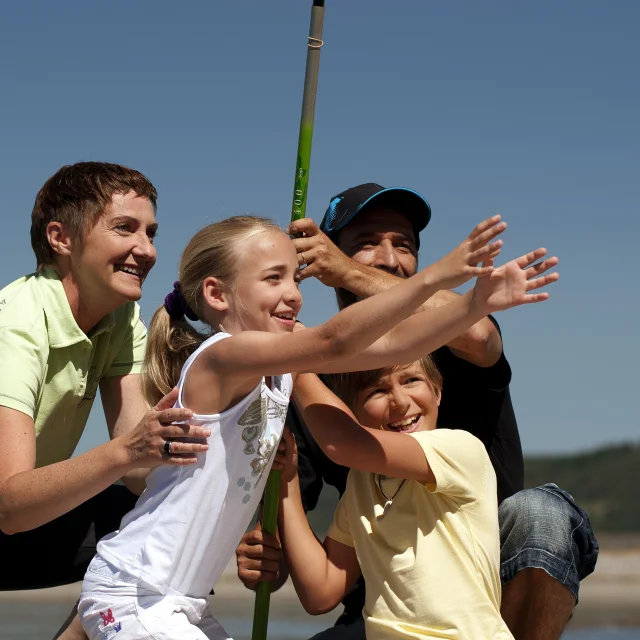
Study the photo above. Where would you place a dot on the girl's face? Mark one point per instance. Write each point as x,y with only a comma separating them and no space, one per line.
404,401
266,296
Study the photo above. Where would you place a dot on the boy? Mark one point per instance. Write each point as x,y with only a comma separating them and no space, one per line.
419,516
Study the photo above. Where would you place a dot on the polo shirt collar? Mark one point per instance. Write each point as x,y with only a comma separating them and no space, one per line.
62,328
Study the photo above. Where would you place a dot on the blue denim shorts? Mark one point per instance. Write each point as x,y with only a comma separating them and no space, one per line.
543,528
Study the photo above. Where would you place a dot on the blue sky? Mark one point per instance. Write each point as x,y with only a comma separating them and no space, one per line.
527,109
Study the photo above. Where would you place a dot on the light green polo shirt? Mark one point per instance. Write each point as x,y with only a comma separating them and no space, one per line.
50,369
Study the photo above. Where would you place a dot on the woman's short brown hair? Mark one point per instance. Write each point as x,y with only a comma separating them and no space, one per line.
76,196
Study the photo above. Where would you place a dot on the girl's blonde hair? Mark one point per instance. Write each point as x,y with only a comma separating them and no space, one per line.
213,251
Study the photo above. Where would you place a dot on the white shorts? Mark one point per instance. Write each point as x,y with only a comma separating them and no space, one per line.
115,606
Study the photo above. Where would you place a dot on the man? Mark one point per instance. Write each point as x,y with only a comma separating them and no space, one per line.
65,331
368,238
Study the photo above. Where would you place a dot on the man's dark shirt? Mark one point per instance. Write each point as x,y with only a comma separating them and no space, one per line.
475,399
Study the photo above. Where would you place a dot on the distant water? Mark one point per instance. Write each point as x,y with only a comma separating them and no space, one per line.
38,620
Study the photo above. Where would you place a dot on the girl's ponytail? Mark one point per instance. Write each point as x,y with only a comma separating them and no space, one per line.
169,345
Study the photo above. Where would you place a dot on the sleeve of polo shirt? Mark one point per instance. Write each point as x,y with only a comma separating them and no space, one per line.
339,529
23,370
458,460
130,356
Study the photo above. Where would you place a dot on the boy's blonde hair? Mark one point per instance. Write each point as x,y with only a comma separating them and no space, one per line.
347,386
213,251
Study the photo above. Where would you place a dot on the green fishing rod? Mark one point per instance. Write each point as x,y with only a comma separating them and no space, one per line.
298,210
305,137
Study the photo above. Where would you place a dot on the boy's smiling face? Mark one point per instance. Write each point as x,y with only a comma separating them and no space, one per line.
404,400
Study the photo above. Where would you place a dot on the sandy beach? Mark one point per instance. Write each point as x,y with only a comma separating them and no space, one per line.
608,598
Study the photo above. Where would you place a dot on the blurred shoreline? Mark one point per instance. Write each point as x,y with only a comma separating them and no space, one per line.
610,597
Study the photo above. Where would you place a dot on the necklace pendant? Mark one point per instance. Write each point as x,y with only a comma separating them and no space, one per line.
389,499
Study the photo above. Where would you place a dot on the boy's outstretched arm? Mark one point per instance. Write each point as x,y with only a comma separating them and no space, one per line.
321,574
345,441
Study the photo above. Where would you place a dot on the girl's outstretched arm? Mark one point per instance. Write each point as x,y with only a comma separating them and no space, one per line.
508,286
321,574
258,353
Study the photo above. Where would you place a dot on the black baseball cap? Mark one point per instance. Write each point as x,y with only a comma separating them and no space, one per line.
346,205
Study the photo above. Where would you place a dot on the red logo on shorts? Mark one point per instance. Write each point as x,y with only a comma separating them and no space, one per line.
107,618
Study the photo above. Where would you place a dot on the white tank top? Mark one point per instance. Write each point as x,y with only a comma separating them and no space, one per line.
186,525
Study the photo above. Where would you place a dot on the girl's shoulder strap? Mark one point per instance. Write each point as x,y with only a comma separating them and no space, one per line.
285,382
216,337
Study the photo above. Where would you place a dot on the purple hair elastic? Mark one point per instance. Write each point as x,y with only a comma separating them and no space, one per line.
177,306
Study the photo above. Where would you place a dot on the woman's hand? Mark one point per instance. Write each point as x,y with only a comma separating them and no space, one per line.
159,439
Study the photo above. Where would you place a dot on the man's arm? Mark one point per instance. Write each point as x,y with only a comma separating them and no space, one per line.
481,344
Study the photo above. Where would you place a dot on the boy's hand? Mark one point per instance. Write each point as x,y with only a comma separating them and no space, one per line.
460,265
286,459
509,285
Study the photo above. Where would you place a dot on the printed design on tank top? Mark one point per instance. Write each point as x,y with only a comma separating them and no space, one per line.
257,442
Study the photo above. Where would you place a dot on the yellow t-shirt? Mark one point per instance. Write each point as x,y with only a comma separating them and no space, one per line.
50,369
431,560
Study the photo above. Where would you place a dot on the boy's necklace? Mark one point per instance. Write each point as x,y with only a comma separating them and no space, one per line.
389,500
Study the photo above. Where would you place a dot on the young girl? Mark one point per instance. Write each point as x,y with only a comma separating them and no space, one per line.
240,277
418,518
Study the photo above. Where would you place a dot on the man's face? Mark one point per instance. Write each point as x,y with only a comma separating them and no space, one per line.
382,238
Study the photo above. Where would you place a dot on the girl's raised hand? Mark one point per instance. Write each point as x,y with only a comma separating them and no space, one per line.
510,285
461,264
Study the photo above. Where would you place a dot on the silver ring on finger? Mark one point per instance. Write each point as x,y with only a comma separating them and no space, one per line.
167,447
303,259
